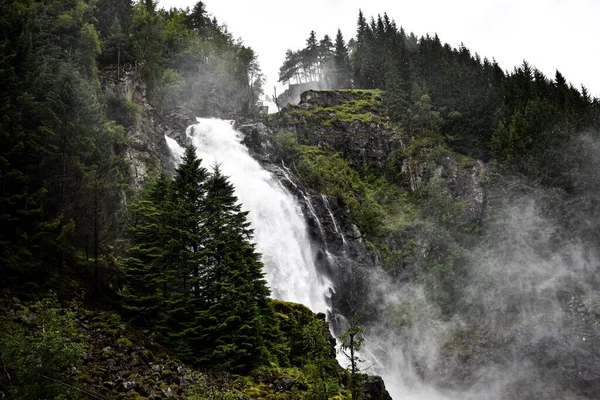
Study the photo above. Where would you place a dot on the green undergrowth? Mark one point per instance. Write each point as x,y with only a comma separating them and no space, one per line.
366,107
67,350
407,212
376,206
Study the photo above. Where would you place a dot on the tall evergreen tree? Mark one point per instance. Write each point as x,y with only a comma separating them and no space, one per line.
325,60
237,299
341,62
186,248
145,267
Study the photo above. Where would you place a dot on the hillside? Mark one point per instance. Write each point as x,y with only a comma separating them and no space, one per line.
439,214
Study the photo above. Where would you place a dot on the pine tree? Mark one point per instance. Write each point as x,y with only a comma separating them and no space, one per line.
198,19
311,55
237,297
341,63
145,268
359,56
351,343
187,250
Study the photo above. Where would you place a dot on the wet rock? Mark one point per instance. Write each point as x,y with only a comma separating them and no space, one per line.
286,384
130,385
255,137
375,389
326,98
294,91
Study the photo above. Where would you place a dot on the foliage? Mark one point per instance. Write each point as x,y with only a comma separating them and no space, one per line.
59,152
318,62
321,371
37,347
193,272
169,88
351,342
330,174
482,111
364,107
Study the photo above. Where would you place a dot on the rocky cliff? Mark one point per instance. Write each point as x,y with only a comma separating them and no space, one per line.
456,266
352,124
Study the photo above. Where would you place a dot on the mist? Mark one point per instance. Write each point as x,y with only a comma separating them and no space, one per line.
524,323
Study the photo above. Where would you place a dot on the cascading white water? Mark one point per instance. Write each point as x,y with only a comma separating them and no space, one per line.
502,269
335,225
280,230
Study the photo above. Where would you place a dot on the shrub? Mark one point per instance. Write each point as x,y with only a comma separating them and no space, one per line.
37,347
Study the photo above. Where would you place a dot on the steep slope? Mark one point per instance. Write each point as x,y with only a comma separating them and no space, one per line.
472,281
90,353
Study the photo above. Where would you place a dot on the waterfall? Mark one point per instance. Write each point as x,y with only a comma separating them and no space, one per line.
335,225
280,230
517,276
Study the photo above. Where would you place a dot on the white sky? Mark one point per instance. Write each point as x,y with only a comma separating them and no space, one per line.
549,34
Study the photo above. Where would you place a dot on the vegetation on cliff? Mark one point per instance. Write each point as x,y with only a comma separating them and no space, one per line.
398,148
178,265
517,117
74,351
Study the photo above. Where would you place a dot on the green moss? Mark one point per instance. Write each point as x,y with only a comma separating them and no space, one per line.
85,378
366,107
124,342
108,353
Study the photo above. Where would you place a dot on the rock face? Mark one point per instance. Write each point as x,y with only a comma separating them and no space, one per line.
147,151
375,389
293,92
349,122
342,254
328,98
255,138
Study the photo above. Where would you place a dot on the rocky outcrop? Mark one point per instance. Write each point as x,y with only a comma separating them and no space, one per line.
349,122
375,389
147,152
326,98
256,139
293,92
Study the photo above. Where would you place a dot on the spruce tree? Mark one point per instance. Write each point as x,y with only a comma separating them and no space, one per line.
146,264
341,60
231,331
311,55
186,249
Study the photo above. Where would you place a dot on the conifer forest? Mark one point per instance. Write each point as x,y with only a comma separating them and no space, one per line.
413,222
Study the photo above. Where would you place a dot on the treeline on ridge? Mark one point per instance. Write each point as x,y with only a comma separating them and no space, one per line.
521,118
